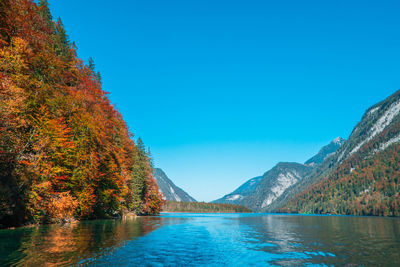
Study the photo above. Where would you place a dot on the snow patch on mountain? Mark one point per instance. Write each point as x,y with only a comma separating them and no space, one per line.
234,197
338,140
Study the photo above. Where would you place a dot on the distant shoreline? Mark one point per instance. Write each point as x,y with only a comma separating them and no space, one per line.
205,212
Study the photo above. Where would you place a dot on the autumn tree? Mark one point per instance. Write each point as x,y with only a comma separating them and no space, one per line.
64,148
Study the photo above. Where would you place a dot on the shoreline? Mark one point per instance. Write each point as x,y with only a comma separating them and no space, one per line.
203,212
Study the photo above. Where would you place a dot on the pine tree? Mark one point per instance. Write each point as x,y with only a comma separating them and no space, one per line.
44,12
61,41
139,174
92,67
91,64
64,148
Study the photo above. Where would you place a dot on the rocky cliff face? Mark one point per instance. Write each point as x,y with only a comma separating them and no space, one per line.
322,163
274,183
169,189
262,193
240,193
359,176
362,176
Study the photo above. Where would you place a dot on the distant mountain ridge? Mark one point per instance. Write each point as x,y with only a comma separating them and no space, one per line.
359,176
362,177
274,182
326,151
170,191
242,191
260,193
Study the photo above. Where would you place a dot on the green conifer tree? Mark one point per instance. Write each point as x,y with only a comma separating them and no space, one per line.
61,41
139,173
91,64
44,12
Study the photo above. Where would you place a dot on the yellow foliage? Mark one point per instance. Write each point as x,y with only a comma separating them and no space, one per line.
11,57
61,206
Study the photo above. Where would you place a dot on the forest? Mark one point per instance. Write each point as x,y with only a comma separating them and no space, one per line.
362,185
202,207
65,150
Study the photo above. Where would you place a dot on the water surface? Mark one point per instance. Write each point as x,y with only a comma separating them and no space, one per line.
208,239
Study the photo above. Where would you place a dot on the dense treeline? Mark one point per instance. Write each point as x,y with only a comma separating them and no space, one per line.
369,186
64,149
174,206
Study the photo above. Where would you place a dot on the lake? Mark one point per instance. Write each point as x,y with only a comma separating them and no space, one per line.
209,240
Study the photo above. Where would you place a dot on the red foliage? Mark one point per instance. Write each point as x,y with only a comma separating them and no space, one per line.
58,128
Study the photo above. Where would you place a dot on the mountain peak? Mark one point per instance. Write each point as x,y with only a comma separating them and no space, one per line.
326,151
348,184
338,140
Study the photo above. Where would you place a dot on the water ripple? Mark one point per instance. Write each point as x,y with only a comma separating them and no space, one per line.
209,240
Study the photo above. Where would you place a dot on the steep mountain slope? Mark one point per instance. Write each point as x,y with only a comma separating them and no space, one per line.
319,171
274,183
243,191
363,177
325,151
261,193
170,191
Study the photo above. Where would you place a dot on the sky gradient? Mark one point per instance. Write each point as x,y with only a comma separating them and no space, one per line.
221,91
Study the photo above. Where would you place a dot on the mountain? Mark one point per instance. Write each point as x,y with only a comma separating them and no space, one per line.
273,183
241,192
362,177
260,193
322,164
325,151
170,191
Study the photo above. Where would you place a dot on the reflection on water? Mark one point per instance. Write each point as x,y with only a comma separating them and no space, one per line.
209,240
336,240
68,244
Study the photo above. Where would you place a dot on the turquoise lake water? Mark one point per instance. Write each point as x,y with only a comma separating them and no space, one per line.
178,239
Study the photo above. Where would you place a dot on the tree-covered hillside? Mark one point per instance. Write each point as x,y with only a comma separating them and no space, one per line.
364,177
265,193
358,187
64,148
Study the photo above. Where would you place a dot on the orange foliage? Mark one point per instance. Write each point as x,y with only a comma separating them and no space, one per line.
153,198
62,206
61,141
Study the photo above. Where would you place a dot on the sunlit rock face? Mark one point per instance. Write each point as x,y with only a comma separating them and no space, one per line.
258,192
169,190
240,193
378,125
274,183
369,155
263,192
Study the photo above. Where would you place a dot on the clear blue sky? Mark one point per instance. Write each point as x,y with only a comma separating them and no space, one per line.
222,90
